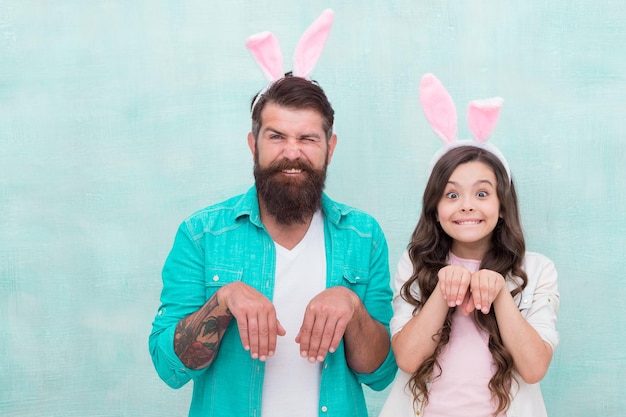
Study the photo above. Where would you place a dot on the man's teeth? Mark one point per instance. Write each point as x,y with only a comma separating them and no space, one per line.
292,171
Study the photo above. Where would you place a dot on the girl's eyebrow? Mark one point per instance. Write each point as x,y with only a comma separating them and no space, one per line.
476,183
484,182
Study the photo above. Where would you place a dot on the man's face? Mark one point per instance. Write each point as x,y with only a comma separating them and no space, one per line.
290,159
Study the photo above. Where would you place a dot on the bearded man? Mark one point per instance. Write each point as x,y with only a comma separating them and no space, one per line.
277,302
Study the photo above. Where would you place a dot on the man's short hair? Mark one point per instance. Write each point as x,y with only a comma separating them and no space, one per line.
295,93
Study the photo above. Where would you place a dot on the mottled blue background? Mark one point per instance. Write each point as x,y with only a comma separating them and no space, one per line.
120,118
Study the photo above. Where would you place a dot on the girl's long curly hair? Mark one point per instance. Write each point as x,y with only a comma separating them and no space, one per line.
429,249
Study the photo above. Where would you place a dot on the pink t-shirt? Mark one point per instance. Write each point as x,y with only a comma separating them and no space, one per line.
466,367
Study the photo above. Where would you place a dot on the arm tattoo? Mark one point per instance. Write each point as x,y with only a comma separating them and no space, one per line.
197,338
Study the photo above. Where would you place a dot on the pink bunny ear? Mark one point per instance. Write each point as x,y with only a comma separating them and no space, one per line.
311,44
439,108
482,116
266,51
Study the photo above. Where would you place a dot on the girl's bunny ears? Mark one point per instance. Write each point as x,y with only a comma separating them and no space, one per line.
266,49
440,111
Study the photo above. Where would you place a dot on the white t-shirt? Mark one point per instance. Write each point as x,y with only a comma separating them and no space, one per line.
291,384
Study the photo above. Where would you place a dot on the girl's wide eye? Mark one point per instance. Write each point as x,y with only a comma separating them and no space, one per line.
452,194
482,194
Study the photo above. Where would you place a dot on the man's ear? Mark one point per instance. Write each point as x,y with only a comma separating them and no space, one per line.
332,142
252,144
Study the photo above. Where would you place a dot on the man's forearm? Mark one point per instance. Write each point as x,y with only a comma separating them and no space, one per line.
367,343
197,337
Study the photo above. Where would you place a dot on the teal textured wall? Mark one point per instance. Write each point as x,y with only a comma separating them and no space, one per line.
119,118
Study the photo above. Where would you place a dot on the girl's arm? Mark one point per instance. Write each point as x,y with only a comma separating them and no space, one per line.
531,354
418,339
529,330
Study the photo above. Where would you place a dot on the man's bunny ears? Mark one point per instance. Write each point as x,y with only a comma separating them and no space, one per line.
266,49
440,111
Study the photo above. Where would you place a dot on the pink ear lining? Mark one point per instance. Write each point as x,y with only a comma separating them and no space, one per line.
439,108
311,44
482,116
265,49
266,52
440,111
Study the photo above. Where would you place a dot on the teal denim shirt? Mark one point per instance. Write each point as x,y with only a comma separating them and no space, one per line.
227,242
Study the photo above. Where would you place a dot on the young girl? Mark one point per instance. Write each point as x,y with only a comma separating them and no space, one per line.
474,320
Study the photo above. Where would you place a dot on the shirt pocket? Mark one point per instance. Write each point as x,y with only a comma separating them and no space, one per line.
217,277
356,279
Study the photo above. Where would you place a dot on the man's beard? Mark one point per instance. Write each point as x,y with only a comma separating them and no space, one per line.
290,200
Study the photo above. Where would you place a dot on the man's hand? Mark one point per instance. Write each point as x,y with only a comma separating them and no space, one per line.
325,321
256,318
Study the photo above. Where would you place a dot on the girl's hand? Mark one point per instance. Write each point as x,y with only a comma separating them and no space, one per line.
454,283
485,285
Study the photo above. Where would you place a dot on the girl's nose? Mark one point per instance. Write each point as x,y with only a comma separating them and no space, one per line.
466,206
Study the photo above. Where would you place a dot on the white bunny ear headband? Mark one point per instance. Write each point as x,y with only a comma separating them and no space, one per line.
440,111
266,50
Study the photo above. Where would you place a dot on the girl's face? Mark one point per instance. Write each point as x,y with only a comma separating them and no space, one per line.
469,209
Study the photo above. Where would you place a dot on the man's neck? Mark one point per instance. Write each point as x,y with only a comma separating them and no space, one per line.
286,235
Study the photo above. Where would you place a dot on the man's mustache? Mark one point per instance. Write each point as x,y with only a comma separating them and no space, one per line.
287,165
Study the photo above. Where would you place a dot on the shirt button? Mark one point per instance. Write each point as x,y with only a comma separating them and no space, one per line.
324,409
216,278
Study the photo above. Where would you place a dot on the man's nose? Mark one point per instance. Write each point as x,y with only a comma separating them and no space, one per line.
292,149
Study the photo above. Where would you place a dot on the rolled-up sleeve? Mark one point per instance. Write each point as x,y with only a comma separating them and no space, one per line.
377,303
183,293
402,310
539,302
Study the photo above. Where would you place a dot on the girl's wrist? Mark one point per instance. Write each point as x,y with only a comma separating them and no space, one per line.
502,296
